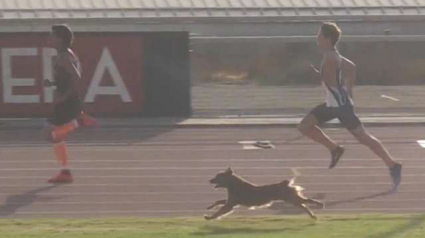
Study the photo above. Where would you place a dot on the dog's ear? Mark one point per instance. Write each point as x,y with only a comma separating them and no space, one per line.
229,171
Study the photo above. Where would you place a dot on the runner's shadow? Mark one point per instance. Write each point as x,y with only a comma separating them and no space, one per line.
121,133
293,139
396,231
356,199
14,202
288,209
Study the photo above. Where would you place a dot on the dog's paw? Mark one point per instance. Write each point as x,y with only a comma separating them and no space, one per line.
210,207
322,206
206,217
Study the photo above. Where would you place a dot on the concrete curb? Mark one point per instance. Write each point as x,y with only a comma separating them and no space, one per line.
13,124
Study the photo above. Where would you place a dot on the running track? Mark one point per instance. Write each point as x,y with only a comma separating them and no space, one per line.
153,172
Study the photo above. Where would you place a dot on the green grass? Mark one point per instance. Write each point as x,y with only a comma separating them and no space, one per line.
362,226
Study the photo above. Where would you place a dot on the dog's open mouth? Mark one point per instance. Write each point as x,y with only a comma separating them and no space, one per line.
214,183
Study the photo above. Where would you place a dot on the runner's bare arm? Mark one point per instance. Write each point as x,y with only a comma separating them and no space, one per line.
66,61
329,71
313,69
49,82
349,72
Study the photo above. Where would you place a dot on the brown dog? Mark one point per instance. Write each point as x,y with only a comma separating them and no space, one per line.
241,192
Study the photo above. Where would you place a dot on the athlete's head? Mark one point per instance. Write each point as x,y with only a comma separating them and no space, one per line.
328,36
61,36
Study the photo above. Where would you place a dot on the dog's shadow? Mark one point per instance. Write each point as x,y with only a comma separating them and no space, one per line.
284,208
14,202
208,230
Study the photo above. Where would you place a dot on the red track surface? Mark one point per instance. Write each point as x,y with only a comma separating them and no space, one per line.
165,172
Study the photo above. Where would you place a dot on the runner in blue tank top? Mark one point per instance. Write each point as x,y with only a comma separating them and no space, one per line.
339,103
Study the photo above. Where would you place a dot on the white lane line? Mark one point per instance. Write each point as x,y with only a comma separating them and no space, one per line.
184,148
390,98
206,160
414,210
206,184
202,168
192,202
82,177
199,193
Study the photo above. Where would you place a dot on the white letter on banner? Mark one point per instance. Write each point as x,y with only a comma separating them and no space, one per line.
9,82
107,63
48,54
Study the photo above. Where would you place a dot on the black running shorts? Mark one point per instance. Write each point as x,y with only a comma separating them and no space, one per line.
65,112
345,115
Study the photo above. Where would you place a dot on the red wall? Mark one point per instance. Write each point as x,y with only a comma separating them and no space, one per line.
116,56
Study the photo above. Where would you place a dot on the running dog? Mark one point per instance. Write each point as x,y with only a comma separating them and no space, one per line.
242,192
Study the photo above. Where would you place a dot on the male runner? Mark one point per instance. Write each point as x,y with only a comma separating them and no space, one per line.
339,103
67,113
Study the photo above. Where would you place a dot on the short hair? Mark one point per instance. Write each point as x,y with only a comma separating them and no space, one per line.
332,31
65,33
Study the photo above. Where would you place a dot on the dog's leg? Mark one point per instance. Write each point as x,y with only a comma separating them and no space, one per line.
219,202
223,211
303,206
313,201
